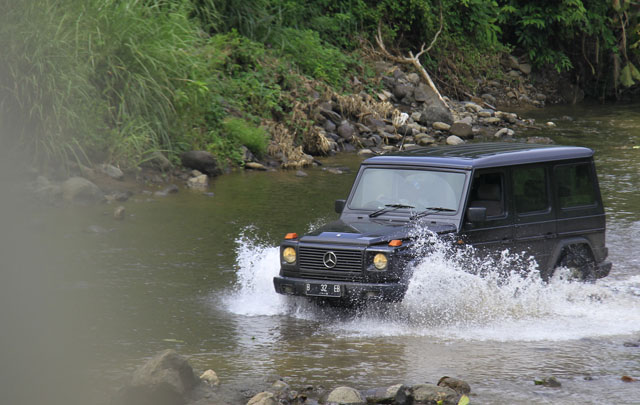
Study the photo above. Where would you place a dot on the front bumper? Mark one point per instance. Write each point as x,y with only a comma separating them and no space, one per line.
351,291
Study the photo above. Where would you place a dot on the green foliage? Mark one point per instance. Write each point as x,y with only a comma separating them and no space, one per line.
539,27
251,136
313,56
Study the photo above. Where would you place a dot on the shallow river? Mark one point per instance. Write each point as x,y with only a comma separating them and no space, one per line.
193,272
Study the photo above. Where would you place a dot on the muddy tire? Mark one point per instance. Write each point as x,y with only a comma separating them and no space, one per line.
579,260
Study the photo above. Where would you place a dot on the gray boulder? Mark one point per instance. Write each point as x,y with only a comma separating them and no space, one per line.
166,379
345,395
401,91
263,398
433,108
461,129
201,160
382,395
79,189
433,394
454,140
459,386
346,130
111,171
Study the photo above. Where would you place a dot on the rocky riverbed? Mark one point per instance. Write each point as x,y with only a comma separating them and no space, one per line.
169,379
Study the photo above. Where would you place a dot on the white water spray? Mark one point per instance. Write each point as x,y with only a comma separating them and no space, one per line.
453,294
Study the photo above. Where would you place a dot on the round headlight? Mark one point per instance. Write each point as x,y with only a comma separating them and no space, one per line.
289,255
380,261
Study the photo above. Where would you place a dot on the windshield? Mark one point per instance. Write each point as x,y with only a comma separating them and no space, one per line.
418,190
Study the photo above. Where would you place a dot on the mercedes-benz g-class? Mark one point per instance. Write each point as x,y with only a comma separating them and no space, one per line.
543,200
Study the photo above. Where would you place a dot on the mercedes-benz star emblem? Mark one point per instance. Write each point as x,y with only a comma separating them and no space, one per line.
330,260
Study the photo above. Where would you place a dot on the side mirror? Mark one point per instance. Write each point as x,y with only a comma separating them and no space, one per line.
339,206
476,214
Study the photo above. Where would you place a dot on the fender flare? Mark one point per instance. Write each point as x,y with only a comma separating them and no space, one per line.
557,251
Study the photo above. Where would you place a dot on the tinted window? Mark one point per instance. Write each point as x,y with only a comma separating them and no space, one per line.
575,185
530,189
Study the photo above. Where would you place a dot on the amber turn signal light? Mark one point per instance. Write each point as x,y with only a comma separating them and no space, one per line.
291,235
395,243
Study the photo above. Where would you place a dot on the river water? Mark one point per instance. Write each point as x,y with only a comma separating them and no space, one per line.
193,272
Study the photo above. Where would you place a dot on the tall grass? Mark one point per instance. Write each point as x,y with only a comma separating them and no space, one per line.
98,78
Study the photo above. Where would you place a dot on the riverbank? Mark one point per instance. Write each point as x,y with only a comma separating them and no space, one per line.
404,113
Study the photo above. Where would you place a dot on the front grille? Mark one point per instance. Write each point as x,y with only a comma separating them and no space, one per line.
348,264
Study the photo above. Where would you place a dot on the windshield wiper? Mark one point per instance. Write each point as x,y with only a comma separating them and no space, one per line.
388,208
430,210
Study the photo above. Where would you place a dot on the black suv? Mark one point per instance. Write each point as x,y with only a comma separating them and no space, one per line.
538,199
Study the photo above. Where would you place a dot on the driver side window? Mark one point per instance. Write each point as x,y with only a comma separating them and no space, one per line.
487,190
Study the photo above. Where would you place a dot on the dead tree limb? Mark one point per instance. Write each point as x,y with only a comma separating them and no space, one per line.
413,59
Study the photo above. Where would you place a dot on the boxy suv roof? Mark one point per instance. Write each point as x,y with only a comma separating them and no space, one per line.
543,200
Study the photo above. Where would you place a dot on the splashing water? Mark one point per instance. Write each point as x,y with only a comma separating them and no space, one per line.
455,294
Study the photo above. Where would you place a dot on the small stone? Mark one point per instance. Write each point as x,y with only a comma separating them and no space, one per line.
301,173
413,78
433,394
345,395
441,126
384,95
119,212
485,113
509,117
454,140
525,68
472,107
461,129
279,385
548,382
401,91
254,166
366,152
263,398
111,171
504,133
492,120
459,386
550,124
415,116
346,130
425,140
199,182
511,94
210,377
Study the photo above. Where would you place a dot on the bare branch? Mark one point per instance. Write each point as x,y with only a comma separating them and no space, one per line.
414,59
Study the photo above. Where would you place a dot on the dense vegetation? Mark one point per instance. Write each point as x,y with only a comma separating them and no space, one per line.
116,80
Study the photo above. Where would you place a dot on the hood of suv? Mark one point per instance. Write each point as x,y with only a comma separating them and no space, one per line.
366,233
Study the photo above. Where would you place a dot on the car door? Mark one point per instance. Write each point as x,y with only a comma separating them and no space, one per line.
535,222
489,189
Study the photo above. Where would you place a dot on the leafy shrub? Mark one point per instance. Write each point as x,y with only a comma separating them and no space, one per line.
251,136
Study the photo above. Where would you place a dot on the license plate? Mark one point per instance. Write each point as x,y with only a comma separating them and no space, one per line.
323,290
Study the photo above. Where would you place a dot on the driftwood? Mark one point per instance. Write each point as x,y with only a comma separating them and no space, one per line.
414,59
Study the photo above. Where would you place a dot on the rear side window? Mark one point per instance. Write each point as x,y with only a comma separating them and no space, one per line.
530,189
575,186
